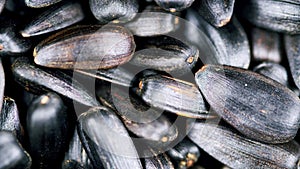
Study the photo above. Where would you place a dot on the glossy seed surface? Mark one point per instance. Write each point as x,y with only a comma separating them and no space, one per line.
158,161
259,107
12,154
237,151
106,140
217,12
165,53
277,15
152,23
53,19
86,47
38,80
176,96
113,10
274,71
47,126
230,42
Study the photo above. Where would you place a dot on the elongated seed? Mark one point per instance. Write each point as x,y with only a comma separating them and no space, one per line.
257,106
86,47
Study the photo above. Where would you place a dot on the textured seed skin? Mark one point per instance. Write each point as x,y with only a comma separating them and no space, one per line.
258,107
40,3
55,18
47,126
11,43
86,47
165,53
117,75
277,15
158,161
39,80
292,49
174,5
76,156
217,12
173,95
185,154
152,23
2,84
9,118
266,45
237,151
12,155
230,42
274,71
106,140
110,10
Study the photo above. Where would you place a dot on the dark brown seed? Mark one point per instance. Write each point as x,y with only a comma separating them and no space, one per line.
55,18
274,71
237,151
86,47
173,95
40,3
230,42
12,155
165,53
185,154
276,15
117,75
266,45
149,23
2,4
2,84
158,161
47,126
143,122
11,43
9,118
114,10
216,12
39,80
174,5
292,48
106,140
257,106
76,156
127,105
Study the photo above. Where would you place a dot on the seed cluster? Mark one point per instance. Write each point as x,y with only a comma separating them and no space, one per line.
154,84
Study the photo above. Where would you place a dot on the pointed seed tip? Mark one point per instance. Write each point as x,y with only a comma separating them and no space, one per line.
24,34
223,22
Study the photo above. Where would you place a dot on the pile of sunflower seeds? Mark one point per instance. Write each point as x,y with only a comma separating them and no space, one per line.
132,84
